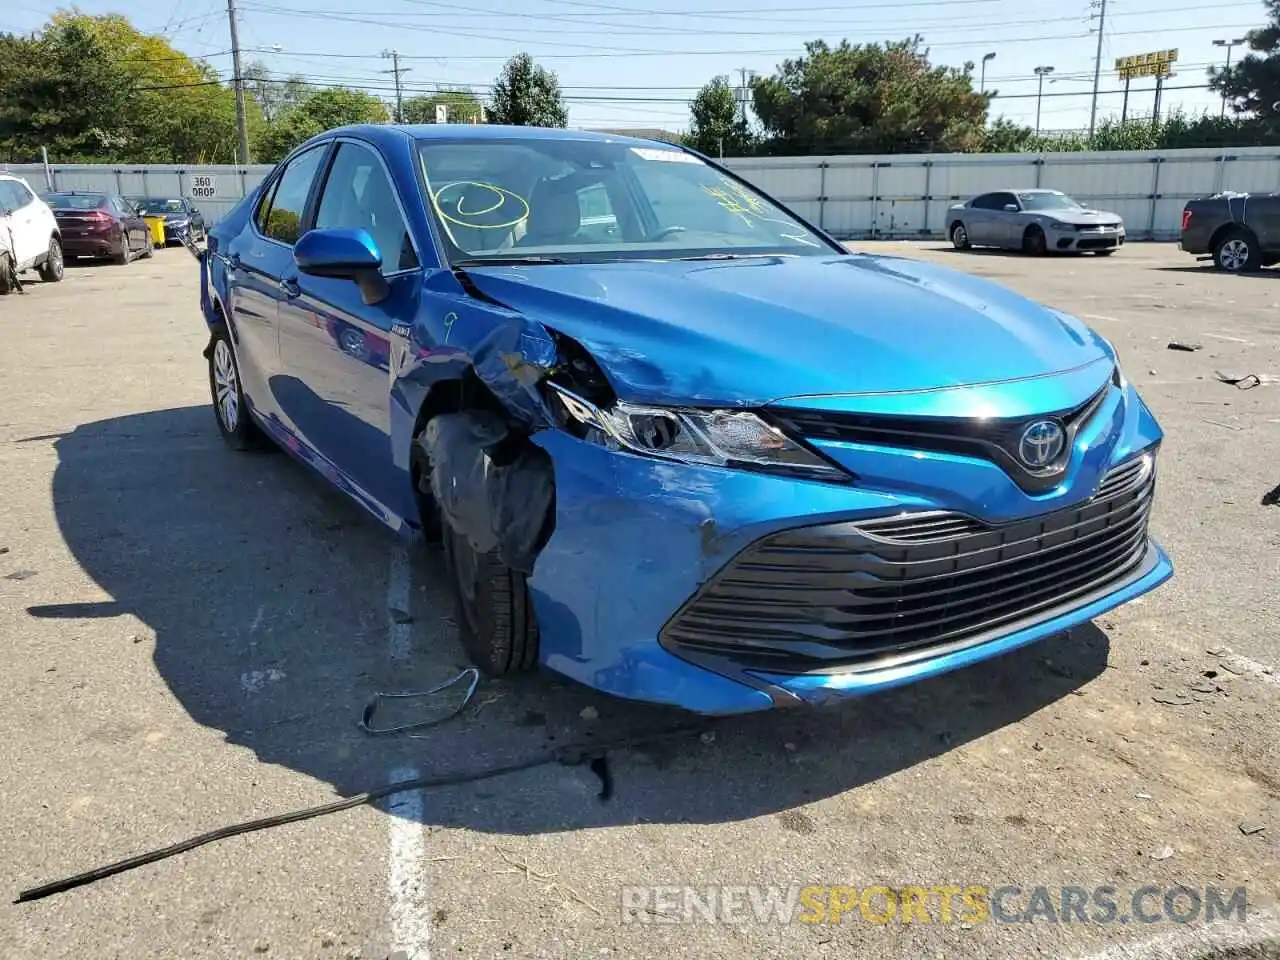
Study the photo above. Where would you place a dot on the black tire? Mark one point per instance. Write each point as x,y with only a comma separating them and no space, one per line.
496,623
126,251
52,269
1237,251
1034,242
6,273
148,249
959,236
234,422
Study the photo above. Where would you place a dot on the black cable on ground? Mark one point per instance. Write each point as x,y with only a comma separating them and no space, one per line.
572,754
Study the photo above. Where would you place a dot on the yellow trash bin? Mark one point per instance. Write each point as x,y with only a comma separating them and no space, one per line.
157,230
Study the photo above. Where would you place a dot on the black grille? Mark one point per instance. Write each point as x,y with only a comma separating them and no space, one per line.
843,593
988,439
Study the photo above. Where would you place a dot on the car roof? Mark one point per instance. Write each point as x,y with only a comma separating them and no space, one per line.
481,131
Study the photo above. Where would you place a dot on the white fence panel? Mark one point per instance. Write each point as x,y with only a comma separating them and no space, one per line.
906,196
899,196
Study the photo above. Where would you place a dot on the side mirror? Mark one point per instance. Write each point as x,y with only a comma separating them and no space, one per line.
1011,207
343,254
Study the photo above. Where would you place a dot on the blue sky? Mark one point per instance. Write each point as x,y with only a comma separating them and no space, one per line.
627,63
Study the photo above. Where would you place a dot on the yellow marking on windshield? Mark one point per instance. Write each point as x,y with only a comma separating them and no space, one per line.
467,218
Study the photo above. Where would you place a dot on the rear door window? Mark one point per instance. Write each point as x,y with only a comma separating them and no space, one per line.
283,220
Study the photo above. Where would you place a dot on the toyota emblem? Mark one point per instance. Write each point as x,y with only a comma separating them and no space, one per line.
1041,443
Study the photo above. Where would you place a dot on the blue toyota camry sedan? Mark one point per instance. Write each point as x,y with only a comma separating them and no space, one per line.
679,445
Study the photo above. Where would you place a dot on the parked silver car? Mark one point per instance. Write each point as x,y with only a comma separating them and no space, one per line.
1037,221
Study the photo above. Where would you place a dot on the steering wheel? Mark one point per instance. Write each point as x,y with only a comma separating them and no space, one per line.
667,231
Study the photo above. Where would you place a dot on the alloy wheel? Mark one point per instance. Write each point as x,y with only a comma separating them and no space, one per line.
1235,254
226,386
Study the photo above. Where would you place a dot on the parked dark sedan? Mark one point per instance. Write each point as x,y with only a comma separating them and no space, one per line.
180,216
99,225
1238,231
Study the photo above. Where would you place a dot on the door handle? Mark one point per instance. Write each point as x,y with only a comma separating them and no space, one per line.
290,287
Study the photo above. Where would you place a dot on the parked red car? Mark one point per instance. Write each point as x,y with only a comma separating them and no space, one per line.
100,225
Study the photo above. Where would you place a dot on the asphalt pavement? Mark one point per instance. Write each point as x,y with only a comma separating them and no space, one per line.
188,637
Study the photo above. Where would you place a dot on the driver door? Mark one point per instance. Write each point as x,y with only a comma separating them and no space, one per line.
336,350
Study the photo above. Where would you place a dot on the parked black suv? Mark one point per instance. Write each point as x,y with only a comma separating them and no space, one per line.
1240,231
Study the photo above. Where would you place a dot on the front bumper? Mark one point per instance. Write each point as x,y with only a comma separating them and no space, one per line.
638,542
1086,240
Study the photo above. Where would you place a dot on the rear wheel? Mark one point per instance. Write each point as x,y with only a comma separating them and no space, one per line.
496,623
959,236
52,269
6,274
126,251
1237,252
234,422
1033,241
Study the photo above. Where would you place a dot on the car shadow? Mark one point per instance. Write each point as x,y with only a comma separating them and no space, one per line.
268,596
1263,272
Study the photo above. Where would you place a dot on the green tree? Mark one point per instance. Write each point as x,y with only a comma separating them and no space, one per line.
869,98
461,104
527,95
274,95
64,90
1252,86
319,111
1005,136
180,111
717,127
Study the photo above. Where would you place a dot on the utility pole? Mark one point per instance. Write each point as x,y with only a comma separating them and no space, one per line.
394,56
1097,64
742,95
1239,41
1041,72
242,125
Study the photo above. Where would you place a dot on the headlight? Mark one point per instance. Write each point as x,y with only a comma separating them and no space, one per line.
1117,375
722,438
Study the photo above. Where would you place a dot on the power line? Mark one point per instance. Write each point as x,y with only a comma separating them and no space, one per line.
826,26
628,52
382,87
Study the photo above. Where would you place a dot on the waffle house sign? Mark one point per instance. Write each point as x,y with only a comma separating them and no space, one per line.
1157,64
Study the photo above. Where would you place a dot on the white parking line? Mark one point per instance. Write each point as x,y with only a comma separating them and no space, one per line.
1187,941
406,879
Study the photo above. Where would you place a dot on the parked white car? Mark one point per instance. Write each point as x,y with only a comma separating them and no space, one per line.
29,235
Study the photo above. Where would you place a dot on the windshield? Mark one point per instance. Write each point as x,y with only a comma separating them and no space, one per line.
75,201
158,205
1048,201
593,200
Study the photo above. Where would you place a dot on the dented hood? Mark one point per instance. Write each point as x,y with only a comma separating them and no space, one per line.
752,331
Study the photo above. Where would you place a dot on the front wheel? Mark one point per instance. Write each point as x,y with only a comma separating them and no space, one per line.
234,422
52,269
496,622
959,236
7,276
1033,241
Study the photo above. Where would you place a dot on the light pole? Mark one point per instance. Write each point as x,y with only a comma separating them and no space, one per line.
1041,72
1239,41
982,83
